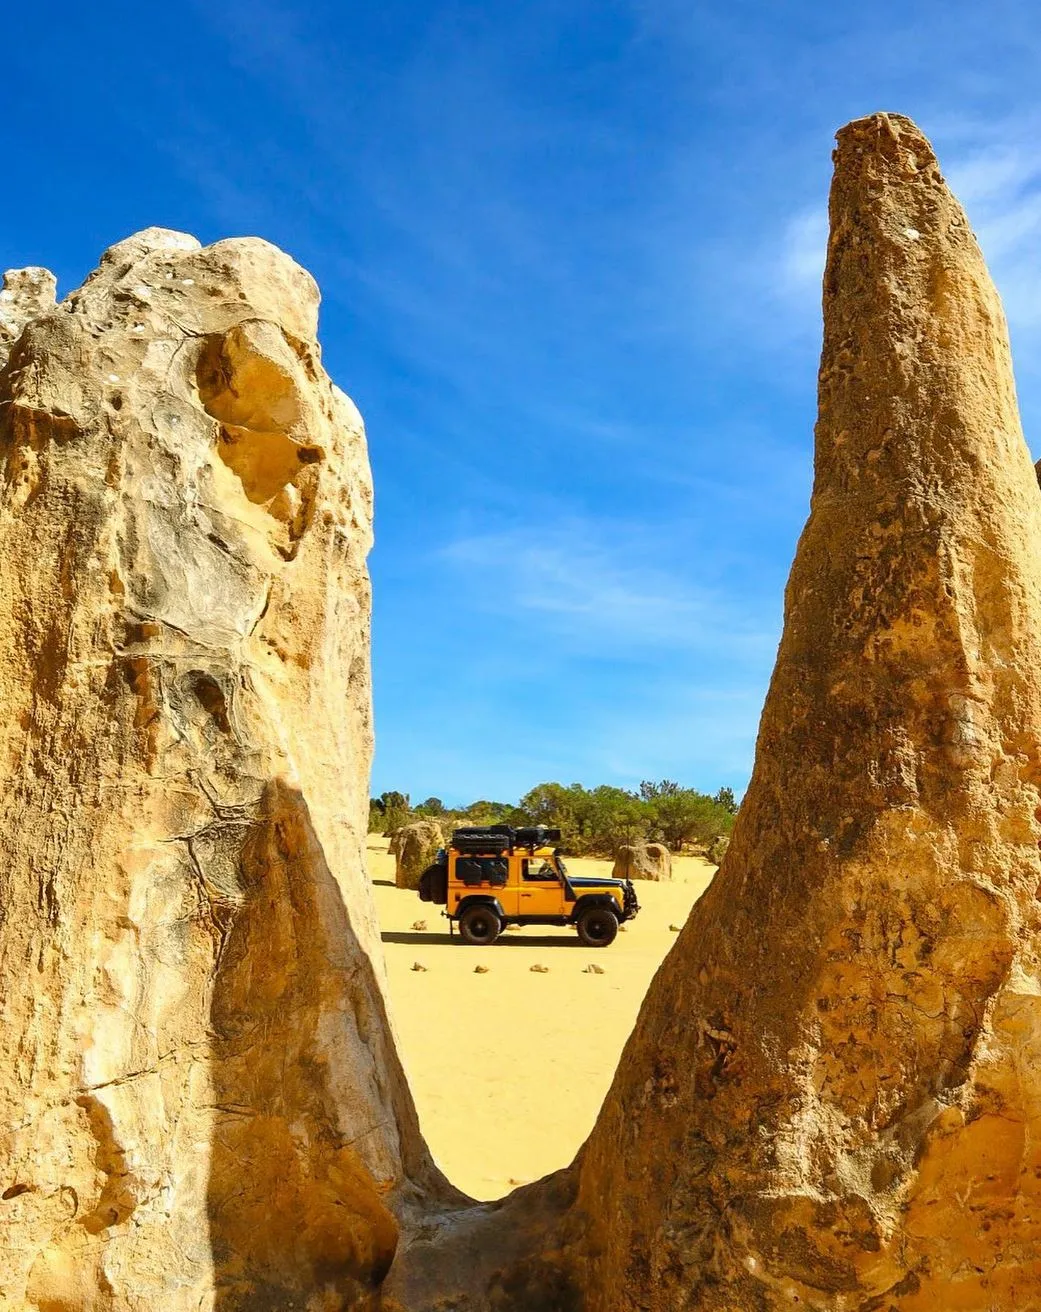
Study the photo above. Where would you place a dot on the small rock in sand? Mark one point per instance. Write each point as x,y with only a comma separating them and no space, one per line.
593,969
419,924
675,928
540,970
480,970
418,965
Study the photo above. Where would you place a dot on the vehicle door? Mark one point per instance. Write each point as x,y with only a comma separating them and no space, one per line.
541,890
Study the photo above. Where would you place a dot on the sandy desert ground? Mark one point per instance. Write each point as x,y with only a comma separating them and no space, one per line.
509,1068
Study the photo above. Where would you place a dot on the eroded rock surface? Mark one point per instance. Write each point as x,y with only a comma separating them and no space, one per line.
832,1097
24,294
643,861
200,1102
415,846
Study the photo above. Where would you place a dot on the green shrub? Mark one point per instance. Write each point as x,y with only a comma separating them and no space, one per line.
592,821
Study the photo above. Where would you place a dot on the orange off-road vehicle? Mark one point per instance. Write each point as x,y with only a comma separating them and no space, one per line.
499,876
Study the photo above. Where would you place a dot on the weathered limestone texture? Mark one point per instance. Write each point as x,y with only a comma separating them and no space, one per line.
24,294
415,846
832,1097
643,861
200,1102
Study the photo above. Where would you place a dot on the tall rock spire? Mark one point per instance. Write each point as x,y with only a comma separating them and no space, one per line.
832,1097
200,1100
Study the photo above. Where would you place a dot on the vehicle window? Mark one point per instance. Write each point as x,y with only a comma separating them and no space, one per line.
496,869
539,869
482,869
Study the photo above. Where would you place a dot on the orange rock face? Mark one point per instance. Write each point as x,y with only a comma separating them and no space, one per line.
832,1098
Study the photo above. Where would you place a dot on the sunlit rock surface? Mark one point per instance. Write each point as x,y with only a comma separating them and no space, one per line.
200,1103
832,1098
415,846
642,861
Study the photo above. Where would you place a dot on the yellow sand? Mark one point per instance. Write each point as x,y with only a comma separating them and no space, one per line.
509,1068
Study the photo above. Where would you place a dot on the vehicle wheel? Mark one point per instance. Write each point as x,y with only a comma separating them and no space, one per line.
597,927
479,925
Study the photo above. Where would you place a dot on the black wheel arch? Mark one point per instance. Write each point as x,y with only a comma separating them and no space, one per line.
595,900
480,900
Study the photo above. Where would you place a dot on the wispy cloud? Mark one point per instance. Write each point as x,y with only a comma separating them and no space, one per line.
998,179
800,261
995,171
705,735
599,589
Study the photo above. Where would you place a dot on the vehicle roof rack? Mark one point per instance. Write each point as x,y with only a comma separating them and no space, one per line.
496,839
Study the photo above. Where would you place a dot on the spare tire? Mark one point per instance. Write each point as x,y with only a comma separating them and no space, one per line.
433,883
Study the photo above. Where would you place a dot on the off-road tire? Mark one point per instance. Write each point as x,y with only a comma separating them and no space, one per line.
597,927
479,925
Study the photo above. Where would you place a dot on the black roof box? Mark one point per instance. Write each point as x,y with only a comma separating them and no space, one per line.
494,840
502,838
536,836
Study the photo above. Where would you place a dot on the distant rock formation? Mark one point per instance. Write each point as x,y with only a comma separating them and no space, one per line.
200,1101
642,861
848,1115
414,846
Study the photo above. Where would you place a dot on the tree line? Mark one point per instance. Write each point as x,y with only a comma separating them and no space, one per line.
591,820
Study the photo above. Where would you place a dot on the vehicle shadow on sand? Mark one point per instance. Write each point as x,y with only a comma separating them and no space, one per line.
421,939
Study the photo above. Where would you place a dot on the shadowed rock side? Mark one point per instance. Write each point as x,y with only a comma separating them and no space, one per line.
832,1097
200,1101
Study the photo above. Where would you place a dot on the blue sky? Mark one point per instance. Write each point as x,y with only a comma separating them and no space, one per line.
570,255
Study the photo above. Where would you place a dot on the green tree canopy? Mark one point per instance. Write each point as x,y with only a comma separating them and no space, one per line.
594,820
